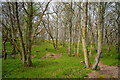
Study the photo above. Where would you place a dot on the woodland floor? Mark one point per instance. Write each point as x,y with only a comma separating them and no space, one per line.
51,63
105,71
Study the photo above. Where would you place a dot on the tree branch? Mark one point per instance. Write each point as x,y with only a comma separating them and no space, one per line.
40,20
24,9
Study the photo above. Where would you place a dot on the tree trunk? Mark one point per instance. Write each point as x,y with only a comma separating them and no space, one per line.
20,35
4,50
64,34
78,45
102,20
3,45
57,32
118,23
99,51
14,49
84,36
108,45
29,44
4,39
70,31
75,39
12,29
50,35
80,32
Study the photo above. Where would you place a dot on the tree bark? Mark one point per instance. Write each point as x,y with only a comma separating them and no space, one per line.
117,4
84,36
12,29
70,31
78,45
20,35
75,40
4,53
48,31
80,31
99,51
57,32
29,44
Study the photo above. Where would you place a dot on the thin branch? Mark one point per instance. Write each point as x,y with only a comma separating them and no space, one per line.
24,9
40,20
39,31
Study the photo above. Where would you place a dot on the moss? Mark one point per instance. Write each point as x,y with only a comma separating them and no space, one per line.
110,76
103,76
106,76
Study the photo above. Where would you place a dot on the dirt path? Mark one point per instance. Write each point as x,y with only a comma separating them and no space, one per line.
105,71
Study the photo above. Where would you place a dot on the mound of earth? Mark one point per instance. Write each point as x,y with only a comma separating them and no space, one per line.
33,45
51,55
33,56
104,70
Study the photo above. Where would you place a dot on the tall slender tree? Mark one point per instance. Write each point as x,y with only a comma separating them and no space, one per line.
84,36
70,29
99,51
20,34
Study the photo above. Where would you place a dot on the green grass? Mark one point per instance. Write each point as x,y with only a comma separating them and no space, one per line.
110,58
65,67
59,67
0,58
0,68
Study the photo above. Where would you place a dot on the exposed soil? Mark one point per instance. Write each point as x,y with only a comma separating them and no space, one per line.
51,55
33,45
36,51
33,56
104,70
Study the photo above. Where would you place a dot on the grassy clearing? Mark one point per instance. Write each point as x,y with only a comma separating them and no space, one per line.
59,67
111,58
66,67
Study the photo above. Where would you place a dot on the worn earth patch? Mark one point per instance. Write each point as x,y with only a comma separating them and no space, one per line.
105,72
51,55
